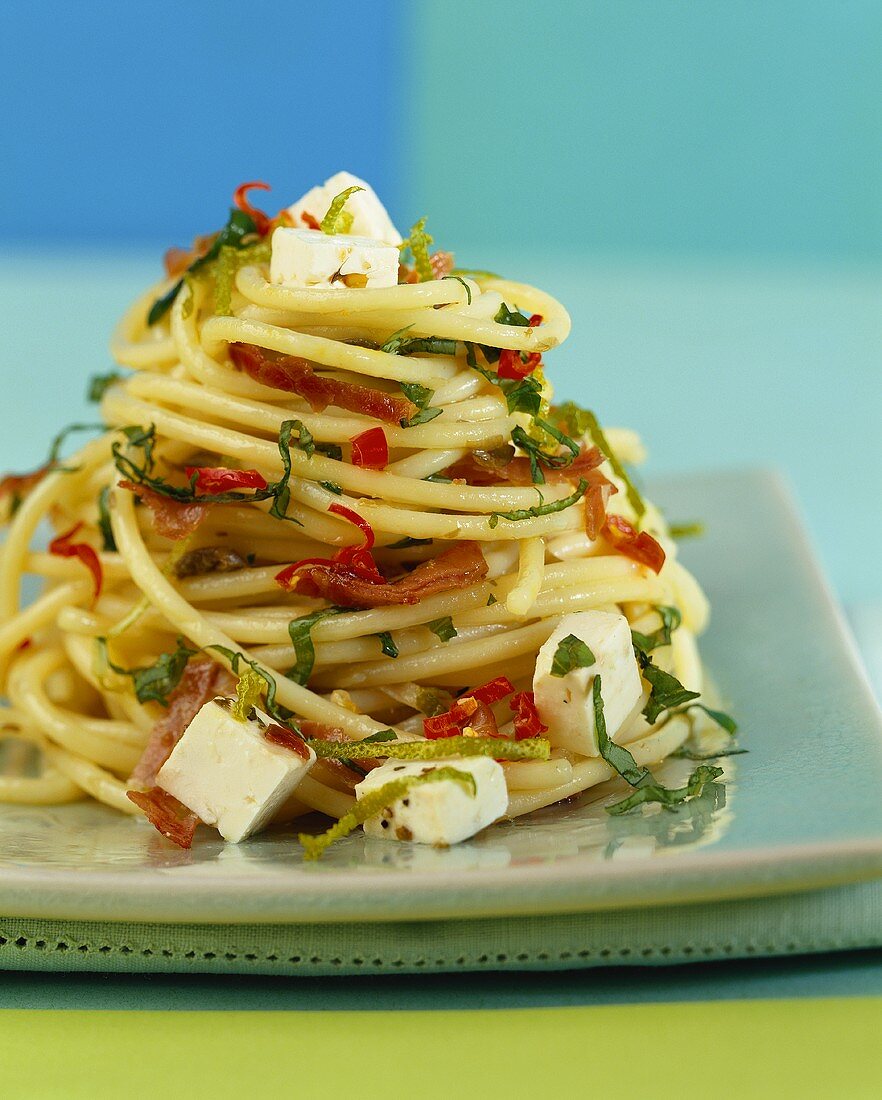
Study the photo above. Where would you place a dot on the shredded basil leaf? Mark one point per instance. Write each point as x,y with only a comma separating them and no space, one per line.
459,279
688,754
399,344
100,383
153,683
387,644
618,758
330,450
439,479
536,455
541,509
332,487
422,417
239,226
647,789
686,530
491,600
299,631
521,395
671,619
419,395
104,525
506,316
723,720
144,439
571,653
667,796
666,691
443,628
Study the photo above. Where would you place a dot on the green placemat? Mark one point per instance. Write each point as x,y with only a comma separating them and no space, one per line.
824,920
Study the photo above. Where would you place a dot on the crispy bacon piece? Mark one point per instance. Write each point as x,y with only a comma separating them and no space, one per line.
295,375
370,449
165,813
527,722
460,566
172,519
288,739
202,680
262,222
494,468
639,546
597,495
63,546
221,479
320,731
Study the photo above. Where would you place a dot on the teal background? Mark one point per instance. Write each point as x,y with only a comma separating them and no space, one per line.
685,127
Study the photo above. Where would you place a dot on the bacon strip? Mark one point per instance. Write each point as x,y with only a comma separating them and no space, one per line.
295,375
460,566
202,680
172,519
165,813
287,739
516,471
638,546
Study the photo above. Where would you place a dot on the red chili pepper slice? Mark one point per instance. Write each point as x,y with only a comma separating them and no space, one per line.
370,449
309,221
527,722
261,221
212,480
63,546
356,558
492,691
639,546
512,365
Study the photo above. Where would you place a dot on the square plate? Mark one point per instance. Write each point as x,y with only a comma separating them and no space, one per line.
801,810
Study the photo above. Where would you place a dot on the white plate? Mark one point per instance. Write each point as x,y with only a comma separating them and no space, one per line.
801,810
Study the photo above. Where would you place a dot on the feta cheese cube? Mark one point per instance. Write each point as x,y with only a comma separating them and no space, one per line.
370,218
308,258
229,774
566,703
439,813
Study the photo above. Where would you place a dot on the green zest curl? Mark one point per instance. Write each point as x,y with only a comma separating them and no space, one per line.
338,220
229,260
419,242
377,801
249,690
499,748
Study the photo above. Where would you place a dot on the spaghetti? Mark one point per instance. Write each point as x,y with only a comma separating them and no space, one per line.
364,494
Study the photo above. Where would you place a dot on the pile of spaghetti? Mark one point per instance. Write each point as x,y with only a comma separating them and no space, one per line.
365,496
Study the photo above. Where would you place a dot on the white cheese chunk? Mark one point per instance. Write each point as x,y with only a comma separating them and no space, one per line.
565,703
229,774
369,216
439,813
308,258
